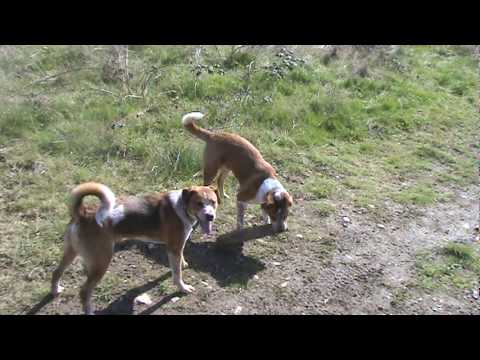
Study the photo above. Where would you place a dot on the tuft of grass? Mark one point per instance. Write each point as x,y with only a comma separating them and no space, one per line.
323,208
321,187
417,194
429,152
462,252
454,264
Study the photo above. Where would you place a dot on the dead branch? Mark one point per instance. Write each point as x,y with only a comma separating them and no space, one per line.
58,74
105,91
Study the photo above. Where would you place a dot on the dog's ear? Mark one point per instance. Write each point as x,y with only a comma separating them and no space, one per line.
186,195
289,199
215,190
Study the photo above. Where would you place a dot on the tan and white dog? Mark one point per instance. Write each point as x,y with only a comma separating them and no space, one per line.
162,217
225,152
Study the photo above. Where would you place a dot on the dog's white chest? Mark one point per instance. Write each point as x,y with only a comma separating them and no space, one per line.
176,198
267,185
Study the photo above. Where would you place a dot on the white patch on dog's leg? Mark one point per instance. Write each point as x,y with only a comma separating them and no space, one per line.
184,263
221,185
266,218
57,290
241,207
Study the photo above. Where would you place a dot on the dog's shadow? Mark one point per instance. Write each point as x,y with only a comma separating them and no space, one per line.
40,305
124,304
228,266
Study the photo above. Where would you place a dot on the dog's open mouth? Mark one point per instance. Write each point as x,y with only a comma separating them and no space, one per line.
206,226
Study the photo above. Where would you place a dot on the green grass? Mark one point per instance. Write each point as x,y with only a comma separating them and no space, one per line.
417,194
335,136
323,208
455,264
321,187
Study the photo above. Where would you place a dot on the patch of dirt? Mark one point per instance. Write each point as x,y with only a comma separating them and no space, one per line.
321,266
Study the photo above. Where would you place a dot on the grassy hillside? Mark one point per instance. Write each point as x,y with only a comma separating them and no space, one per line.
356,126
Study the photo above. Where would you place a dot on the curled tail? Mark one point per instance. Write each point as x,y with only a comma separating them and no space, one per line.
188,122
105,195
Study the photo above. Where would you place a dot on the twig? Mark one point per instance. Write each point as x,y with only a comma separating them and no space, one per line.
105,91
236,49
132,96
58,74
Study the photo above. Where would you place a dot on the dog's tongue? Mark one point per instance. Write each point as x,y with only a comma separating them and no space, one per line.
206,227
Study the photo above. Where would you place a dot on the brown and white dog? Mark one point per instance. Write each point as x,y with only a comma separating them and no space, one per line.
225,152
162,217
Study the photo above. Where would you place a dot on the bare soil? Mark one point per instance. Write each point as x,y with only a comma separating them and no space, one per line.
320,266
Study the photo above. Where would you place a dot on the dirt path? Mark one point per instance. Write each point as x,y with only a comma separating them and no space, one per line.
369,266
321,266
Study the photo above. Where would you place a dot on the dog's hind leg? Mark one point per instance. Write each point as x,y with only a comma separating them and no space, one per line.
95,272
241,207
221,181
69,255
209,173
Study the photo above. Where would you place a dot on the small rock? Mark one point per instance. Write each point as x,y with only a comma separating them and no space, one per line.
143,299
255,277
371,206
175,299
381,226
275,263
237,310
475,293
346,219
300,236
284,284
466,226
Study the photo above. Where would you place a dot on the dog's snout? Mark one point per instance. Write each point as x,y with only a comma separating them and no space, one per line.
209,217
280,226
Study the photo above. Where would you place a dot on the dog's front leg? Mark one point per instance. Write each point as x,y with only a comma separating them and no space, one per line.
241,207
266,218
175,261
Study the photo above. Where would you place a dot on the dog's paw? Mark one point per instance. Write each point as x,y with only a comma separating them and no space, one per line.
57,290
184,264
187,289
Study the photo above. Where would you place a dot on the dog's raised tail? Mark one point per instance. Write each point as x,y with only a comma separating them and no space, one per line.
106,196
189,122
